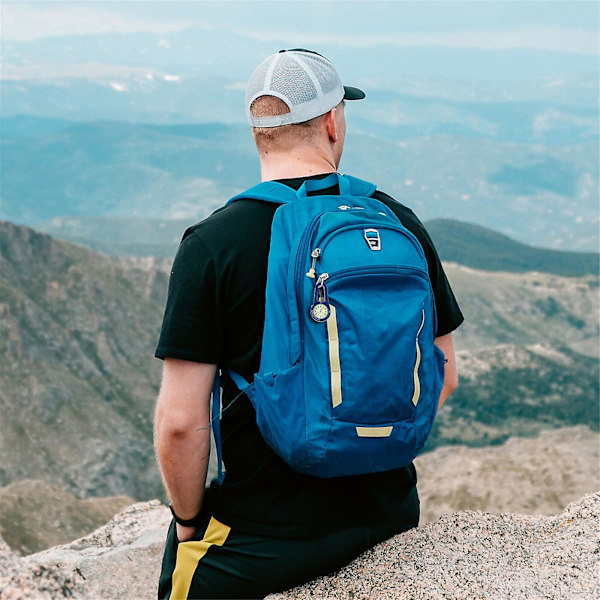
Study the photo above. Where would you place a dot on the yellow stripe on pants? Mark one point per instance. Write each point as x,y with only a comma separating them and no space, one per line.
189,555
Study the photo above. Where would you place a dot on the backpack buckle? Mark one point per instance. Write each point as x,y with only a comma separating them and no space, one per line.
373,239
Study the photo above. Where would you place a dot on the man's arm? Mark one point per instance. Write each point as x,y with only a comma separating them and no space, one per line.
446,344
182,435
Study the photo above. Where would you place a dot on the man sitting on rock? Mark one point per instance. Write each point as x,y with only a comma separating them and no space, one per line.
266,527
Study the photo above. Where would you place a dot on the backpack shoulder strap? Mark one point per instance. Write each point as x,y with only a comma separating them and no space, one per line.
279,193
268,191
360,187
348,185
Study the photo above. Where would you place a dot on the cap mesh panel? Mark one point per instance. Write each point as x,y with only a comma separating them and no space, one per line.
290,79
257,81
323,72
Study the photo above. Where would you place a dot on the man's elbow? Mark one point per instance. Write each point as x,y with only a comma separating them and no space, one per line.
173,424
452,382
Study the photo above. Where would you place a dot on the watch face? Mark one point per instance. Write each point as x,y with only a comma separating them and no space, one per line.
319,312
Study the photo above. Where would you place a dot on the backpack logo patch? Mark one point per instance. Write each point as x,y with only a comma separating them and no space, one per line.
373,238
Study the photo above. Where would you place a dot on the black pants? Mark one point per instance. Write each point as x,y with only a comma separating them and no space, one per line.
219,562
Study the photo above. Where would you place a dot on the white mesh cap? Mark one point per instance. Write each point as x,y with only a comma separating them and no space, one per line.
304,80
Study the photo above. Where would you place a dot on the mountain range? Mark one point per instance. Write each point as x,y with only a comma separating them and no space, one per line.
537,193
77,377
456,241
481,248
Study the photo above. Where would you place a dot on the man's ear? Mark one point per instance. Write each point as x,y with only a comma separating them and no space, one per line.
330,125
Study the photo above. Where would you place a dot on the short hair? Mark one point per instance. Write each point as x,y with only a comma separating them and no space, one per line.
283,137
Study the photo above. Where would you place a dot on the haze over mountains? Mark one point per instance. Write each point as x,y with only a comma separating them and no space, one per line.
147,125
541,195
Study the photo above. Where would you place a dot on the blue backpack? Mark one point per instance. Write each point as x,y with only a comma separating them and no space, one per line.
349,377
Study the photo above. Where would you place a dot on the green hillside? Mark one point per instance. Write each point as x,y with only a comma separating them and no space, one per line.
481,248
518,391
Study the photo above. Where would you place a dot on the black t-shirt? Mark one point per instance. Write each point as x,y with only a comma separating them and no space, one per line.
215,314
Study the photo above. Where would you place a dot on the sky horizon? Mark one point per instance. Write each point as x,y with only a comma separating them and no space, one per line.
488,25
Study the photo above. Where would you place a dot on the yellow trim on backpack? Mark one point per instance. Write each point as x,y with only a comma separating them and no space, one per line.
334,358
189,555
374,432
417,383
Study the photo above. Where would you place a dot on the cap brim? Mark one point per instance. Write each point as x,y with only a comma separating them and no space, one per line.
352,93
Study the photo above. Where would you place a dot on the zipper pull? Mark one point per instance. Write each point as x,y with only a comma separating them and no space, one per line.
315,256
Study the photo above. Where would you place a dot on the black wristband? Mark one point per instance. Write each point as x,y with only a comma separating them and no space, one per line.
186,522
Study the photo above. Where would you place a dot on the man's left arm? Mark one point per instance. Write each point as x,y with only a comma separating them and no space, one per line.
446,344
182,435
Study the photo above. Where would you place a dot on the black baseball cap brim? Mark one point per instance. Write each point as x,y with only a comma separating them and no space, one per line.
352,93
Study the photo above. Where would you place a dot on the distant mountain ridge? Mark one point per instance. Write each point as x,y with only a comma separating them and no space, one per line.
128,58
482,248
542,194
456,241
35,515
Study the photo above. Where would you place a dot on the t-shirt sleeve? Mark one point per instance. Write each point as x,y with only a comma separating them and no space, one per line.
191,328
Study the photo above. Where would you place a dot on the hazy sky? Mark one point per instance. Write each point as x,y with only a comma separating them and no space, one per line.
561,25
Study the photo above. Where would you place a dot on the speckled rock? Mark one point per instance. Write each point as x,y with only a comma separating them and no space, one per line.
119,560
472,555
477,555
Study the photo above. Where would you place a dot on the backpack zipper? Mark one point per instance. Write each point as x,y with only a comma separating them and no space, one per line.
315,254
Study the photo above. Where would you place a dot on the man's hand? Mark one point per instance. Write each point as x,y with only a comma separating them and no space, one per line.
184,533
182,435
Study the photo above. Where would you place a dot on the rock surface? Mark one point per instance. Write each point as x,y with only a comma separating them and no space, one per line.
119,560
469,554
476,555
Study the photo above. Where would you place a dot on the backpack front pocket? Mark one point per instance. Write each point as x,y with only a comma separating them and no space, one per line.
373,320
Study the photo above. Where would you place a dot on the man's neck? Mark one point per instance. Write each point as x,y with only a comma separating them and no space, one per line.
290,165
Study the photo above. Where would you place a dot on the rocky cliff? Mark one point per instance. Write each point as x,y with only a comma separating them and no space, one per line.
539,475
471,555
77,373
477,556
460,555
